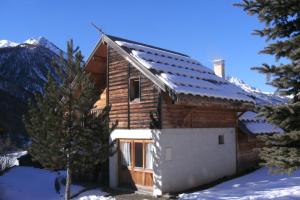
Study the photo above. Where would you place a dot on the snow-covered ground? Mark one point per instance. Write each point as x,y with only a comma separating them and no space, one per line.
10,160
256,185
27,183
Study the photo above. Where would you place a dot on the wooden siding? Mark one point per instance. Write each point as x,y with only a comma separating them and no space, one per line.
247,156
135,114
140,110
180,116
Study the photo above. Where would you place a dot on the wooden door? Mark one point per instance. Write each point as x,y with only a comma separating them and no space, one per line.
135,163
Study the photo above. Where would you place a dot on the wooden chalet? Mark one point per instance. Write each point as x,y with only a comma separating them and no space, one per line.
177,120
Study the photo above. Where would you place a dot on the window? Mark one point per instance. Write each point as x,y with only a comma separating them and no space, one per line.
149,158
221,139
138,154
135,89
125,148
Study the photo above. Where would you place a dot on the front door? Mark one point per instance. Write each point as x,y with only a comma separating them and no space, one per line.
135,163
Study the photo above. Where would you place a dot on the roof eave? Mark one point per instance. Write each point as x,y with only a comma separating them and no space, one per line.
94,51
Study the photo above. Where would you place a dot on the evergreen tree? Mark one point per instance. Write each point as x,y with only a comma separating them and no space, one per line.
65,134
281,19
43,124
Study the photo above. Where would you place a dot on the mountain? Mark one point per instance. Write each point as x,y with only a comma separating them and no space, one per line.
23,72
7,43
260,97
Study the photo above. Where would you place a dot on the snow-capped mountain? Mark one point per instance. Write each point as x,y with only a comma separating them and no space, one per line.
42,41
261,98
7,43
23,72
27,64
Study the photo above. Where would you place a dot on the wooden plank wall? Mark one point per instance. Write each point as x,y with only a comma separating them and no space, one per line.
118,88
140,111
180,116
247,156
129,114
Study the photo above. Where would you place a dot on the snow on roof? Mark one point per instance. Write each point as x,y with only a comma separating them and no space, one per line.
262,128
261,98
249,116
258,125
250,120
183,74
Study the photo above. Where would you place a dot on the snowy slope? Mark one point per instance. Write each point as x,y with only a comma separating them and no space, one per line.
256,185
11,159
28,183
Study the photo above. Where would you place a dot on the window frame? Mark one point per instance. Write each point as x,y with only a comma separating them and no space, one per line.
132,163
132,79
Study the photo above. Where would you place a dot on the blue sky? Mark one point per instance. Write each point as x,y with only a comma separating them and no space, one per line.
203,29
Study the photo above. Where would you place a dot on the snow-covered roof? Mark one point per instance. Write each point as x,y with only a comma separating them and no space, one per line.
258,125
182,74
250,121
261,98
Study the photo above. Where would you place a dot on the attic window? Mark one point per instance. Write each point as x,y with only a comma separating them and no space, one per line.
135,89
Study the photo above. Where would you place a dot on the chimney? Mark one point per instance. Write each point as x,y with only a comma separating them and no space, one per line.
219,67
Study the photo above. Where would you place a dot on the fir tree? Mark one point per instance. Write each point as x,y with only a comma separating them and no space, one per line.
281,19
65,134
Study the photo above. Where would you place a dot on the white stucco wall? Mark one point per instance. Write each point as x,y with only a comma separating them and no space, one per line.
183,158
186,158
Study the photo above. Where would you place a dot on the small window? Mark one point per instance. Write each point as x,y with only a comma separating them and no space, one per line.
135,89
221,139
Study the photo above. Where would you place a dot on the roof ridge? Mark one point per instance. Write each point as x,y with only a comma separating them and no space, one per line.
115,38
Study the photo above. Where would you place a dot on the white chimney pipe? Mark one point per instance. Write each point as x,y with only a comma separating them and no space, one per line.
219,67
